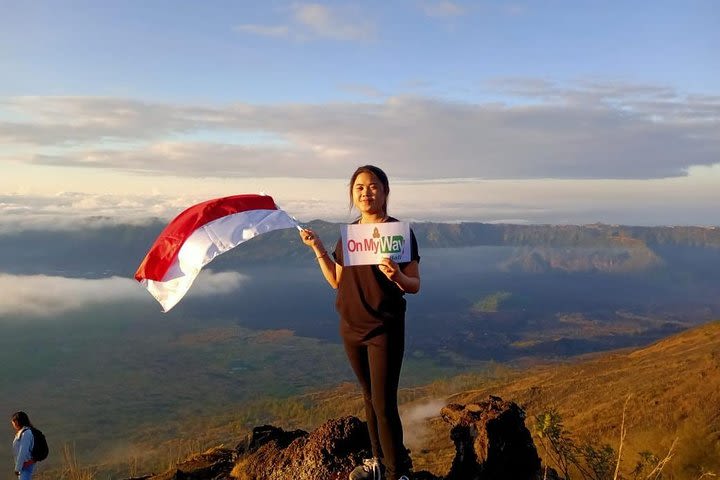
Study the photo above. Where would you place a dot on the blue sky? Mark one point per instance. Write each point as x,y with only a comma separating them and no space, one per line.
187,50
499,111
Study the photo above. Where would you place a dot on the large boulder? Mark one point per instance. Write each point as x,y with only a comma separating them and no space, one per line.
330,452
491,441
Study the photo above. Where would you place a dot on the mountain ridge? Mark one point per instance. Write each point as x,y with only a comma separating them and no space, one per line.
598,247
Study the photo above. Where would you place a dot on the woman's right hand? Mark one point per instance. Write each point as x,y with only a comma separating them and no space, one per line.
330,270
310,239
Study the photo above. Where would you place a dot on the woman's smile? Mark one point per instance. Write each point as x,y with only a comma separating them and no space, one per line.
368,195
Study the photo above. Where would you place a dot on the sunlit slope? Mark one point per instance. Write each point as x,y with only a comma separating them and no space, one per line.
674,389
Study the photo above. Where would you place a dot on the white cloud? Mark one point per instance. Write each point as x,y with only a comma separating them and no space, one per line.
325,22
120,199
135,159
309,21
81,210
46,296
586,131
211,283
41,295
117,199
443,9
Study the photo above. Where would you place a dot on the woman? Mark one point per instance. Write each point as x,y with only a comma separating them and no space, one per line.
372,324
22,445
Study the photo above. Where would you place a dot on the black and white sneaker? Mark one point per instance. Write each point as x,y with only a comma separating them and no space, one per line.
369,470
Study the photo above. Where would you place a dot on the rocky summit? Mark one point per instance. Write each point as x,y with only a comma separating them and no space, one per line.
490,438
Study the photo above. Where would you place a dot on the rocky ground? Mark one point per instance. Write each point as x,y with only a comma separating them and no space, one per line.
490,437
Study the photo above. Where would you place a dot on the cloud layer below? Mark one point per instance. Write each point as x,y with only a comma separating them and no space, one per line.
46,296
690,200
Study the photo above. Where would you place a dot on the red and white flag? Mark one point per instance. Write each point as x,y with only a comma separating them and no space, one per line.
201,233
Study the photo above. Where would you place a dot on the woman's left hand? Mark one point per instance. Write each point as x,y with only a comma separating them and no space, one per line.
389,268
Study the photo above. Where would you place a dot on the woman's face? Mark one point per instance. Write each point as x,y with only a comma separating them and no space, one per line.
368,194
15,426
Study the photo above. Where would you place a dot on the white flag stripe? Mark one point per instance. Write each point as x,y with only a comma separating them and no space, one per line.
206,243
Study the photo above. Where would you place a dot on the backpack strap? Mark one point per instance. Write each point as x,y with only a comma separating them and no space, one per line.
26,429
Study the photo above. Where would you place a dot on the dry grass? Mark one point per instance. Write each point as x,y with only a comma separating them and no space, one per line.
675,385
623,434
71,467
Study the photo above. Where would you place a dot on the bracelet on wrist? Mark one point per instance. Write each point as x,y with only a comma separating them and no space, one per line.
322,255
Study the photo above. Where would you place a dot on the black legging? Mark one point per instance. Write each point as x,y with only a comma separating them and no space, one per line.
377,363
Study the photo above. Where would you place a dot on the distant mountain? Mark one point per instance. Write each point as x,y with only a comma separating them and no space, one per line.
116,250
595,235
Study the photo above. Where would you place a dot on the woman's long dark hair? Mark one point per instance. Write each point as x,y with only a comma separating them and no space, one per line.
21,419
379,174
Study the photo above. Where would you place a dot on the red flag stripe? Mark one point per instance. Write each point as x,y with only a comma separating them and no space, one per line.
163,252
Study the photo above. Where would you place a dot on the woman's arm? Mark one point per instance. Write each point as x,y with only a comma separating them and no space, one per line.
330,270
407,277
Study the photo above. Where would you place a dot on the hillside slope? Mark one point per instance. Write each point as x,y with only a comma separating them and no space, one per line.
674,389
674,386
